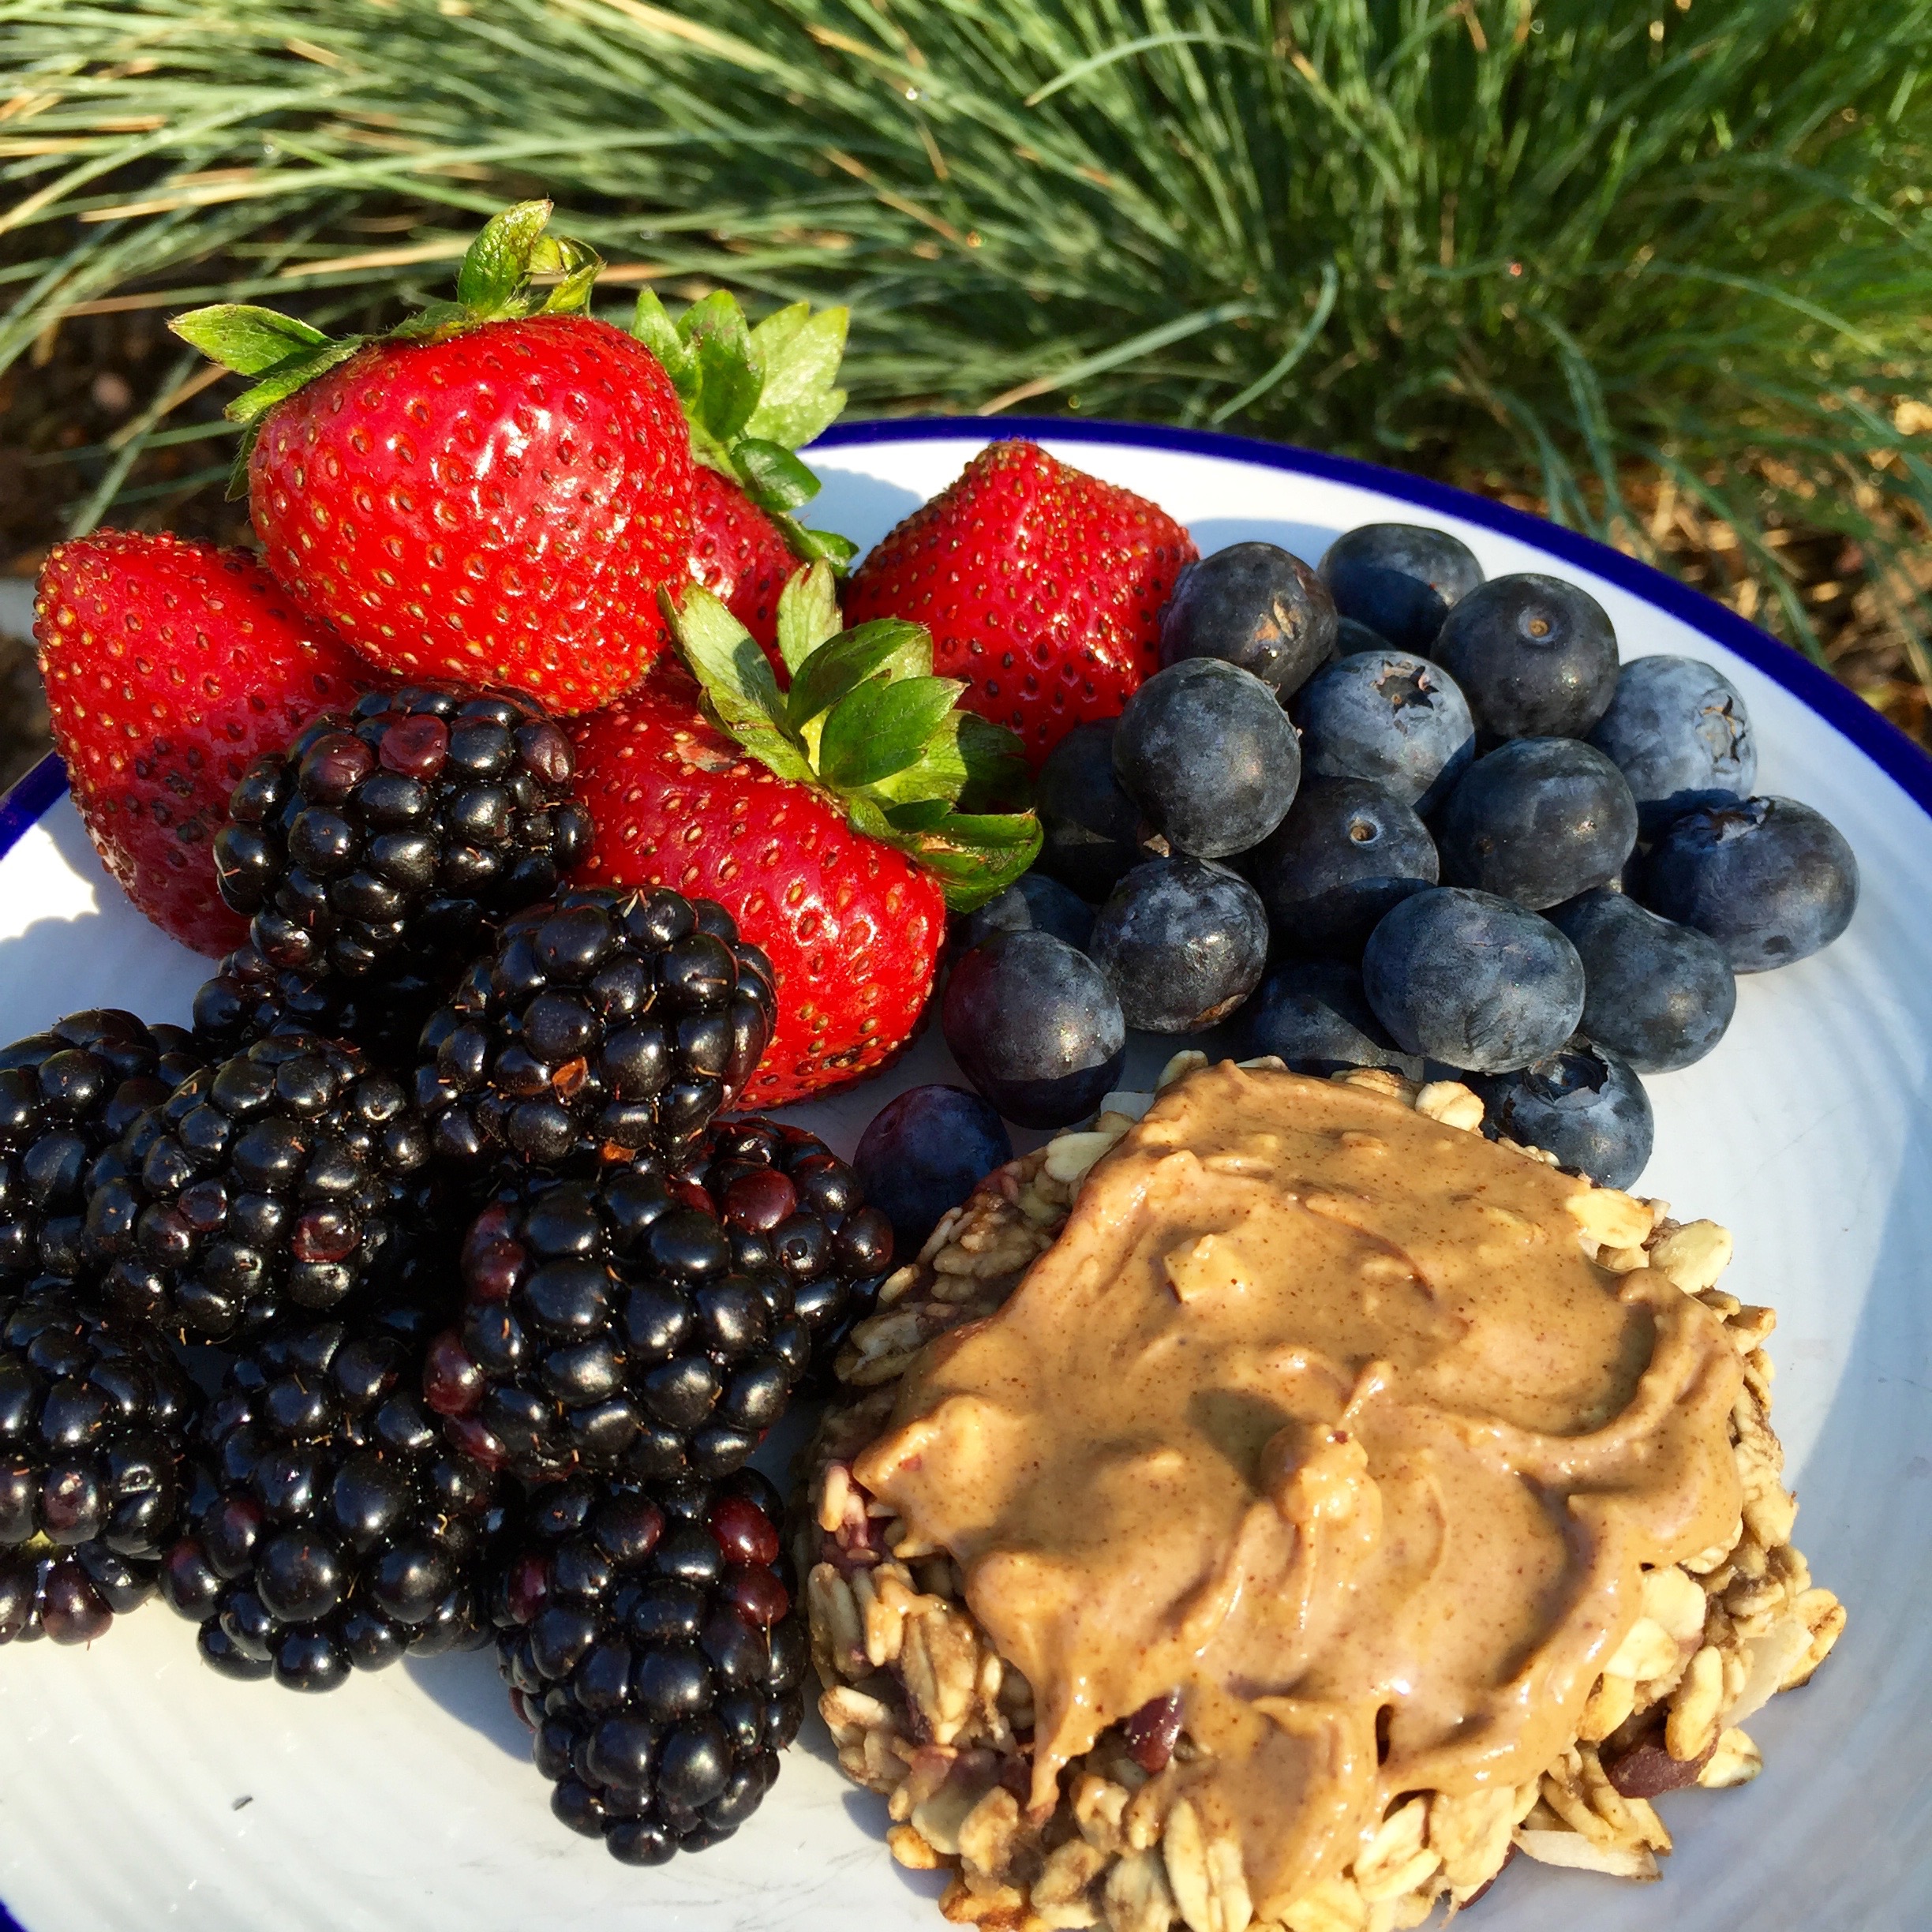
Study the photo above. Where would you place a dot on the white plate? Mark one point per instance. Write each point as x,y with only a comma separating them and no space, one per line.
138,1789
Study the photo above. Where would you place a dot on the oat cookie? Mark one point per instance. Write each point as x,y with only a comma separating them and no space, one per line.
923,1708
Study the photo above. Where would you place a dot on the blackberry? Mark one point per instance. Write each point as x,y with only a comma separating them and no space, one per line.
402,829
651,1325
649,1642
604,1024
251,998
785,1197
607,1326
341,1530
281,1177
93,1421
64,1095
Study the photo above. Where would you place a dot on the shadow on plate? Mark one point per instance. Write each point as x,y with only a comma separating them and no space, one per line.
862,508
866,1810
466,1684
1306,540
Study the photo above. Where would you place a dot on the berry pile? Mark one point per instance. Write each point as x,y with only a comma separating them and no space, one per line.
342,1529
654,1321
94,1418
284,1177
414,824
66,1095
604,1023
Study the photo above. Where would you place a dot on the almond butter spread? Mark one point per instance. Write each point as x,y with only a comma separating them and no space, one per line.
1319,1413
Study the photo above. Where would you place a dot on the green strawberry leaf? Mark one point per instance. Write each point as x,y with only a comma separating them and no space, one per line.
919,815
496,265
817,546
802,353
739,686
577,268
881,728
281,382
838,668
653,327
248,340
729,376
868,725
976,857
808,614
493,283
934,778
773,335
434,321
774,478
997,779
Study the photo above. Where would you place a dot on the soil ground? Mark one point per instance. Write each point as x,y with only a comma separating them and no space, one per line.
68,409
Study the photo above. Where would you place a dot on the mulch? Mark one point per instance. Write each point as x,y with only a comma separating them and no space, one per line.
63,406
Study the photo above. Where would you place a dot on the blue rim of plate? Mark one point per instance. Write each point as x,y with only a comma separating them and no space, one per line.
1881,740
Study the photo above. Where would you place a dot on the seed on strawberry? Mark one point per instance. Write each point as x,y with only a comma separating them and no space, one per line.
169,666
1043,588
495,492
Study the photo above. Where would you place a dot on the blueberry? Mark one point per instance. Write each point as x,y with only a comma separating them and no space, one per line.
1472,979
1583,1103
1035,1026
1345,853
1539,820
1770,880
1257,606
1536,657
1400,579
1390,718
1182,943
1092,830
1660,994
1313,1014
923,1153
1208,755
1033,903
1677,730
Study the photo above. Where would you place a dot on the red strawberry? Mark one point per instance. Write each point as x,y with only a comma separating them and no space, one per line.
834,844
1043,587
170,667
495,492
740,556
853,928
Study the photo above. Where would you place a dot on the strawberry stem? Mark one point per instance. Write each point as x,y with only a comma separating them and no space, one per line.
497,282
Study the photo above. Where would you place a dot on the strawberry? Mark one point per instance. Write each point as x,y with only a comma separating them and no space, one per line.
752,396
494,492
740,556
822,818
1043,588
170,667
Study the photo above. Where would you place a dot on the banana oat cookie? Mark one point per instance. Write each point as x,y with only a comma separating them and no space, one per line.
924,1710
